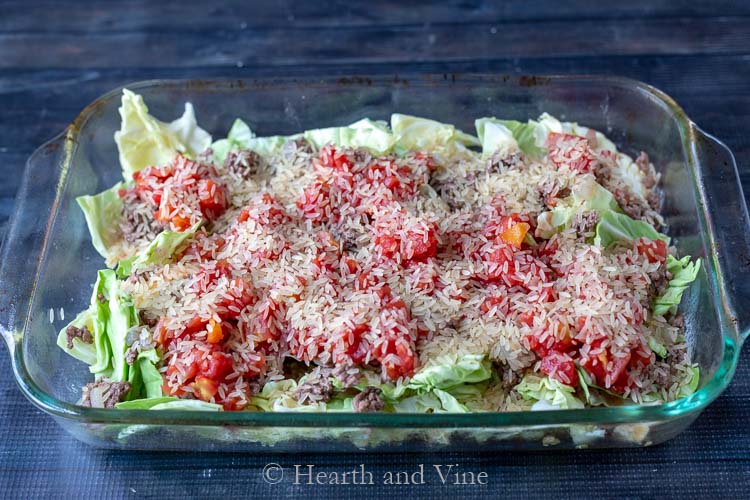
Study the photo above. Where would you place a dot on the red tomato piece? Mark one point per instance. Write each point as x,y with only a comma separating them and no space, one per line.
653,250
216,366
571,150
561,367
315,201
212,198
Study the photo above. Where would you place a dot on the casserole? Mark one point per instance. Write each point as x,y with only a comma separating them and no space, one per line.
47,256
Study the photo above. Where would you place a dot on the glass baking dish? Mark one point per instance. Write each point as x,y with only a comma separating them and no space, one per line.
48,263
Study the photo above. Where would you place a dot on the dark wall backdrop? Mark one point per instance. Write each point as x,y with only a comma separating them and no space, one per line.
57,56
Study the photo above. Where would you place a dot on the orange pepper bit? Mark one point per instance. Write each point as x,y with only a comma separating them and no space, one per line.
515,234
215,332
205,388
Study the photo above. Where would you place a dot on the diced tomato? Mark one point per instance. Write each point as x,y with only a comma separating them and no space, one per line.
257,366
526,318
195,325
189,365
240,295
204,247
263,209
366,279
265,318
205,388
557,338
571,150
424,247
160,331
653,250
182,192
387,244
216,366
169,391
429,161
396,341
547,294
207,277
501,266
561,367
329,156
244,215
349,265
233,403
212,198
618,375
315,201
354,349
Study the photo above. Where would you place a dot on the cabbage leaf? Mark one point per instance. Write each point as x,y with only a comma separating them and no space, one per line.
81,350
241,136
372,135
586,195
158,252
616,227
684,272
103,213
168,403
548,391
421,134
144,141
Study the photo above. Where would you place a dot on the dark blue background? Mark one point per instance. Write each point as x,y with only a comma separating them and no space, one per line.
55,57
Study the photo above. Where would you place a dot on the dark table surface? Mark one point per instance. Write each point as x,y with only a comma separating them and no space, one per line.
57,56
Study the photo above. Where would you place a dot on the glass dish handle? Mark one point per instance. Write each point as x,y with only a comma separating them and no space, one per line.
25,235
730,226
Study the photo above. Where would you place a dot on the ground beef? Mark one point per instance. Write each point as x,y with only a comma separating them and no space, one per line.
294,369
103,393
584,222
644,165
643,162
654,199
316,387
205,156
245,163
347,237
132,354
369,400
499,163
509,378
137,220
659,283
146,319
138,339
676,355
451,189
347,375
631,205
678,321
296,147
551,191
83,334
361,155
591,137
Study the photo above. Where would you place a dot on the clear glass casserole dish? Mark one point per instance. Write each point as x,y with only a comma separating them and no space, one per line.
48,261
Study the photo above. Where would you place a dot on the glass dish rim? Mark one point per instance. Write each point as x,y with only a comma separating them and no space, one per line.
690,135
